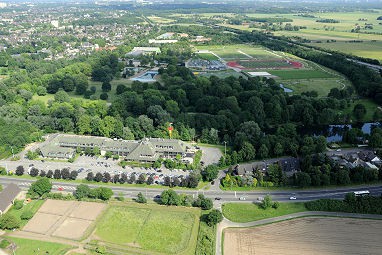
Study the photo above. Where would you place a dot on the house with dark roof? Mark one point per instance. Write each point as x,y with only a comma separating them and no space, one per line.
8,196
289,166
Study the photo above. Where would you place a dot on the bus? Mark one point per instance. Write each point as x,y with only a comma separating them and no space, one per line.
361,193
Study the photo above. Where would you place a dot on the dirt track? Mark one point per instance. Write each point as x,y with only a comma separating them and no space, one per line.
314,235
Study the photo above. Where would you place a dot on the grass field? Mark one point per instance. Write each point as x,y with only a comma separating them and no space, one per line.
239,51
206,238
246,212
371,107
160,20
29,247
33,206
207,56
151,227
98,85
364,49
264,64
300,74
322,86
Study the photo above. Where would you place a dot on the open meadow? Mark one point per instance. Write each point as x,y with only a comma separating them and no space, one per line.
246,212
312,235
29,247
149,228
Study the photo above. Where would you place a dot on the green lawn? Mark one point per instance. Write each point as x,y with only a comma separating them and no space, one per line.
169,230
322,86
246,212
207,56
33,206
300,74
371,107
33,247
206,238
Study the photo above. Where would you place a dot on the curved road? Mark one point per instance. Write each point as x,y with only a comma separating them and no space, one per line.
229,224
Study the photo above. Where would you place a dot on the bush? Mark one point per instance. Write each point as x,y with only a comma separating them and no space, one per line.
18,204
276,205
4,243
267,202
19,170
214,217
26,215
3,171
104,96
141,199
9,221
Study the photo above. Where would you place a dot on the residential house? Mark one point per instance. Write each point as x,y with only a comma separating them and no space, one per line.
289,166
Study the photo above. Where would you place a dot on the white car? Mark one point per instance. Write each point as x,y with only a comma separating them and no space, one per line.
293,198
241,198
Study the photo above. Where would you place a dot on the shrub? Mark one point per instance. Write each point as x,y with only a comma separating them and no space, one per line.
18,204
214,217
4,243
276,205
26,215
9,221
141,199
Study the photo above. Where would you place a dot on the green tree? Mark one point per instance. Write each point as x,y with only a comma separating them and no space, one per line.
267,202
141,199
359,111
170,197
9,221
82,191
210,173
214,217
40,187
104,193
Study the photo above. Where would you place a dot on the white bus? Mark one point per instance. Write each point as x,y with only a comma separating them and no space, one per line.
361,193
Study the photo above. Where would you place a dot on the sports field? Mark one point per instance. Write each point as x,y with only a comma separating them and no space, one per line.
313,235
153,228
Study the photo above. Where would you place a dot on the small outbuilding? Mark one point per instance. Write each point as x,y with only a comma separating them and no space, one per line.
8,196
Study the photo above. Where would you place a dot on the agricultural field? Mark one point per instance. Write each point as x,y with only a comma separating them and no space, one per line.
372,49
313,235
160,20
154,228
28,247
63,219
246,212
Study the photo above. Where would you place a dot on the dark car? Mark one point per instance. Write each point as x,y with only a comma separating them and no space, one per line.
218,198
157,197
213,182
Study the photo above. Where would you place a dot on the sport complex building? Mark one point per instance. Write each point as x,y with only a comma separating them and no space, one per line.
145,150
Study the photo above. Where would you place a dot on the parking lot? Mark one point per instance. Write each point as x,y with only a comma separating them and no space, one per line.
85,164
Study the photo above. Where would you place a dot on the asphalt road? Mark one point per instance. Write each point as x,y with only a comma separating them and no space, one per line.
225,196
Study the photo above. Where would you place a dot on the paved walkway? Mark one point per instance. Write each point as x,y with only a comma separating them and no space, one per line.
3,252
229,224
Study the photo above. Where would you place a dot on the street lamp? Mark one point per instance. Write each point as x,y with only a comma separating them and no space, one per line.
225,149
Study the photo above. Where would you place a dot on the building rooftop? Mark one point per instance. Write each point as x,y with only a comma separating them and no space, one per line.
8,195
